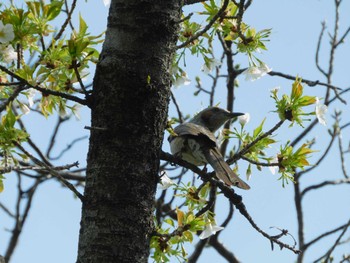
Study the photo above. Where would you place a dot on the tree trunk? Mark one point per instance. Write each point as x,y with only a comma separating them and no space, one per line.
129,109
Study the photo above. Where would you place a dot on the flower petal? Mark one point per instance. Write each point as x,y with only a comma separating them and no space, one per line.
321,111
165,182
210,230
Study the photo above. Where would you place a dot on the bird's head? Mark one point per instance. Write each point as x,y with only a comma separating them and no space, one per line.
213,117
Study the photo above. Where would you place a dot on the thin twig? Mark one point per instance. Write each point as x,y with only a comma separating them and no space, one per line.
7,211
20,217
258,163
319,48
248,146
206,28
69,17
26,85
54,135
324,155
341,40
326,234
326,256
310,83
222,250
179,114
12,97
52,172
325,183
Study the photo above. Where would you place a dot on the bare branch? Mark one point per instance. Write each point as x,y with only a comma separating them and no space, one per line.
310,83
7,211
54,134
325,257
68,147
330,232
20,217
319,48
13,96
222,250
325,183
340,144
52,172
68,19
341,40
179,114
333,135
198,250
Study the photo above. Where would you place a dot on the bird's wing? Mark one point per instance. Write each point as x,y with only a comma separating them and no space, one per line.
191,129
207,141
222,169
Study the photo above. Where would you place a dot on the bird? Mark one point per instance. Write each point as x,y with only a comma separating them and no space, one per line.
194,141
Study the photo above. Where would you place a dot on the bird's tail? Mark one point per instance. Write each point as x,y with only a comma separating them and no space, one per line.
223,170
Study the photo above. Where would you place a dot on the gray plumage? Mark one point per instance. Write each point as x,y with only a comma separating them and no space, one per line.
195,143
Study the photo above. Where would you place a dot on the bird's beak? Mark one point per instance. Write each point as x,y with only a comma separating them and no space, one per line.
235,114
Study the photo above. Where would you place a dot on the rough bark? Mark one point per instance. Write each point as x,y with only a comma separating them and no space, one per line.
129,110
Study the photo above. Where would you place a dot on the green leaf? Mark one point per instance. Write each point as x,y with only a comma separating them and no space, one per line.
180,216
169,221
297,89
53,10
188,235
82,26
1,183
258,130
306,100
9,119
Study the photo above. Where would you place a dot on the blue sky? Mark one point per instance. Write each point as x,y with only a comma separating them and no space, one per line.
51,233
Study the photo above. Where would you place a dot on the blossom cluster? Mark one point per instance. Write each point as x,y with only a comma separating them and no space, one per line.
7,52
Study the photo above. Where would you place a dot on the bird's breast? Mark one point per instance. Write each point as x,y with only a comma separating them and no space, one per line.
187,149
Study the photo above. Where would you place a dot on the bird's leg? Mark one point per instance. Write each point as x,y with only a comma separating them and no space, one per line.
205,168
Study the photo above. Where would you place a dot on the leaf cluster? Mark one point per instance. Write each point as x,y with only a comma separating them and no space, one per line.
291,107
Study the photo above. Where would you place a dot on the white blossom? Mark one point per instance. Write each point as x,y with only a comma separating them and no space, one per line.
210,65
8,53
30,96
62,112
244,119
6,33
182,80
321,111
76,111
165,182
24,108
253,73
106,2
210,230
275,89
273,169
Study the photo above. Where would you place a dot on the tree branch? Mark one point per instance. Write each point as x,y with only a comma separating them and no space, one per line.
319,48
52,172
248,146
27,85
229,193
206,28
325,183
329,252
222,250
330,232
